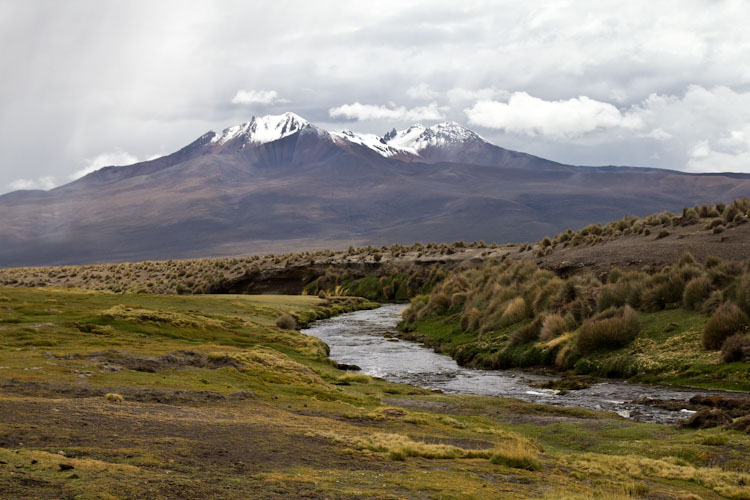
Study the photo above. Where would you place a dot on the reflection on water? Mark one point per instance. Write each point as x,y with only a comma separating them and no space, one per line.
361,338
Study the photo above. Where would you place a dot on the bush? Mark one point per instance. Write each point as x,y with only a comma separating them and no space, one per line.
712,302
727,320
552,326
609,330
439,302
515,312
742,292
527,333
735,348
696,292
286,321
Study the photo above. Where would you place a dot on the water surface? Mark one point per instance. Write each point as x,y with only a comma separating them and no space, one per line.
362,338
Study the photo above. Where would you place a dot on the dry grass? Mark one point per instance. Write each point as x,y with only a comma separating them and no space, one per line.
726,321
553,326
275,367
143,315
113,397
610,332
517,454
287,322
399,447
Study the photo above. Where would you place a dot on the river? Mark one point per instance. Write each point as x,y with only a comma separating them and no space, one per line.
365,339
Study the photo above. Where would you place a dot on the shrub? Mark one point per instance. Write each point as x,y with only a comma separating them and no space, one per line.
735,348
696,292
580,309
727,320
712,302
552,326
286,321
527,333
439,302
609,330
742,292
458,299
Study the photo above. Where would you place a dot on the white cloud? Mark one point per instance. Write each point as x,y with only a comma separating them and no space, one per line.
362,112
709,125
45,182
564,119
114,158
422,92
460,94
257,97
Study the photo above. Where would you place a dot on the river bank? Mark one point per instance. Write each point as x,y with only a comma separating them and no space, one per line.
369,340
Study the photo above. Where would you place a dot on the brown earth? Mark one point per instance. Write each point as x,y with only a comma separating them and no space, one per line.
634,252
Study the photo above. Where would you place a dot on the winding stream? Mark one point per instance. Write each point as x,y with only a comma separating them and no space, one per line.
363,338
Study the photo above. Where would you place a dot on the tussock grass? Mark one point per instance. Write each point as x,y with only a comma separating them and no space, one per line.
697,290
508,313
113,397
399,447
517,454
726,321
286,322
613,329
553,326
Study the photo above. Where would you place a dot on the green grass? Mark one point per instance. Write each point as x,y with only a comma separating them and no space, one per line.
304,428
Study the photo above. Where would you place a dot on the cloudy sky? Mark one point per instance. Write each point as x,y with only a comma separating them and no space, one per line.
92,83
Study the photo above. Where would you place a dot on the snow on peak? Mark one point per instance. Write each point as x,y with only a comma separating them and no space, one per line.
263,129
417,137
412,140
371,141
408,142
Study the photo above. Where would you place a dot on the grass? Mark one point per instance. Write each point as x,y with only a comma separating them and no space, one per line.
632,325
235,407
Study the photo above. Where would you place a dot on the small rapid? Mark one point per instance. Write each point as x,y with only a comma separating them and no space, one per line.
366,339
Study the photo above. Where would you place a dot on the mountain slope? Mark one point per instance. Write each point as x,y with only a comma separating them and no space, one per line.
281,183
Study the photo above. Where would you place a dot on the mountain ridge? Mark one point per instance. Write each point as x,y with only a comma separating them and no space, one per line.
313,188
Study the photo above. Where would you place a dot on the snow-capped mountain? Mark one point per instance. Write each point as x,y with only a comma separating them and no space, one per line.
261,130
407,144
417,138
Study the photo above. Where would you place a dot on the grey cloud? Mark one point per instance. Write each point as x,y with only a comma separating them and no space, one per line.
84,77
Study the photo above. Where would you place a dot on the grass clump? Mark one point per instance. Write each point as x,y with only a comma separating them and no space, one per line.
609,330
286,322
517,454
399,447
697,290
113,397
726,321
736,348
553,326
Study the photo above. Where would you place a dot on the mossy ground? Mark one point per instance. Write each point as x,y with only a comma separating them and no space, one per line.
253,411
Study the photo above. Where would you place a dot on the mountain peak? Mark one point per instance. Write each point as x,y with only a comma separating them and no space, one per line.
262,129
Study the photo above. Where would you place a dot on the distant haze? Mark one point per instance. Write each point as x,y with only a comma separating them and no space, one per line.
93,83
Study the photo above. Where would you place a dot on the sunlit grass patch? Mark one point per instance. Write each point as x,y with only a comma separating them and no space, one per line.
399,447
182,320
517,454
